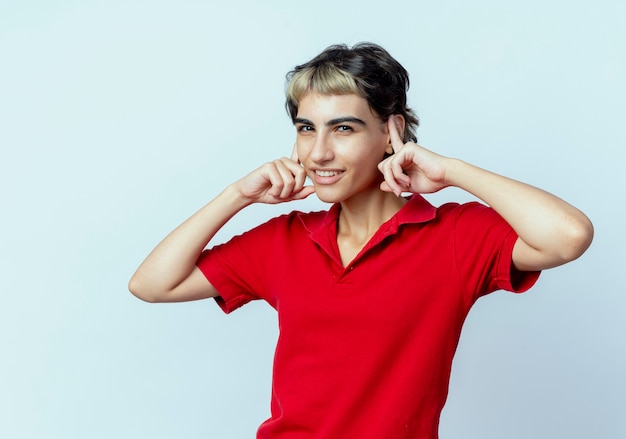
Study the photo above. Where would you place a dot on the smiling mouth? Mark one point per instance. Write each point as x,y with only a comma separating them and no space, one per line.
327,173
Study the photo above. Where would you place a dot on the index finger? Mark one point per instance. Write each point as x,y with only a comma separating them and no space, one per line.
396,140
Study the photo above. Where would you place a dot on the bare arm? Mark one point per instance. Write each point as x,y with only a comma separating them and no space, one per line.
551,232
169,273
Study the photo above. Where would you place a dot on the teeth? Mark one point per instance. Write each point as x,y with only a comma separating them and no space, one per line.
326,173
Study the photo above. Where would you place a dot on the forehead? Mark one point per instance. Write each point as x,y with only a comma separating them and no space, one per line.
315,106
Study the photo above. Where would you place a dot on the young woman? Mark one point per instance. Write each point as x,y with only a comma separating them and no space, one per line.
371,295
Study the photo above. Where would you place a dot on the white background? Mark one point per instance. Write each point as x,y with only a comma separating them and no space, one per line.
119,119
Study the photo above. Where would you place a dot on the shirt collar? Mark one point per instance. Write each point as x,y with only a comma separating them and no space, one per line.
416,210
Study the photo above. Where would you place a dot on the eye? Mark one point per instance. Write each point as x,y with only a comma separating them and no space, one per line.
304,128
344,128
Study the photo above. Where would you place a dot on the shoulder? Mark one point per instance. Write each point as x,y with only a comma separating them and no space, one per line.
297,218
287,223
470,211
454,208
474,223
465,220
420,212
277,232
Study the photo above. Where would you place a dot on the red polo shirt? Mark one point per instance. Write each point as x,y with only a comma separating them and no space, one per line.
365,351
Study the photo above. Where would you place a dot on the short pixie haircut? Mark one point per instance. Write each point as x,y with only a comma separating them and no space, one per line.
366,70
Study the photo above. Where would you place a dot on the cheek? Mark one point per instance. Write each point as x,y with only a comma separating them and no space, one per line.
301,147
378,150
368,163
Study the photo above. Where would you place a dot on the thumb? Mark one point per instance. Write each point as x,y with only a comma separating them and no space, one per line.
304,193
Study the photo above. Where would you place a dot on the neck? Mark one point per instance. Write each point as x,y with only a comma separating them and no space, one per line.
362,215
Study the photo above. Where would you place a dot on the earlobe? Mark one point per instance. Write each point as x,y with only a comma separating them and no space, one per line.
389,149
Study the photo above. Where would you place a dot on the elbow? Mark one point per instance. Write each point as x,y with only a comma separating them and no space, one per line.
579,235
139,290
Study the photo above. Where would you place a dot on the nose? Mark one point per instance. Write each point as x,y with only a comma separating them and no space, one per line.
322,150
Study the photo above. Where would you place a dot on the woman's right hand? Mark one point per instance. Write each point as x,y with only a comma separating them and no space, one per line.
275,182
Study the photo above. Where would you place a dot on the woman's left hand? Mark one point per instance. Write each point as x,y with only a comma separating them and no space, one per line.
412,168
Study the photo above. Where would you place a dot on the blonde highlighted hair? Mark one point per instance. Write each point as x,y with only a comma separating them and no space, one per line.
366,70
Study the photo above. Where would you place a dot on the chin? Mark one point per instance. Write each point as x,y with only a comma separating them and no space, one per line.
329,196
328,199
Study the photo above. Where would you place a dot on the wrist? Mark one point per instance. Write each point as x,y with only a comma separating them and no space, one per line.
235,197
454,171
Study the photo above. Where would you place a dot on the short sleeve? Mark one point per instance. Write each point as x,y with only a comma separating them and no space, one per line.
484,244
239,268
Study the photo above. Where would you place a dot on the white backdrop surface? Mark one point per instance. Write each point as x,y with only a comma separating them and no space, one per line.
119,119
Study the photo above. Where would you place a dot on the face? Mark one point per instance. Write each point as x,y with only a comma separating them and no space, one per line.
340,142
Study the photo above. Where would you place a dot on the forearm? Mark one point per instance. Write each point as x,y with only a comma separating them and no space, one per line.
169,272
555,230
174,258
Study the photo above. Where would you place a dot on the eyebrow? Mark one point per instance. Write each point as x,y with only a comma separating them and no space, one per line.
336,121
